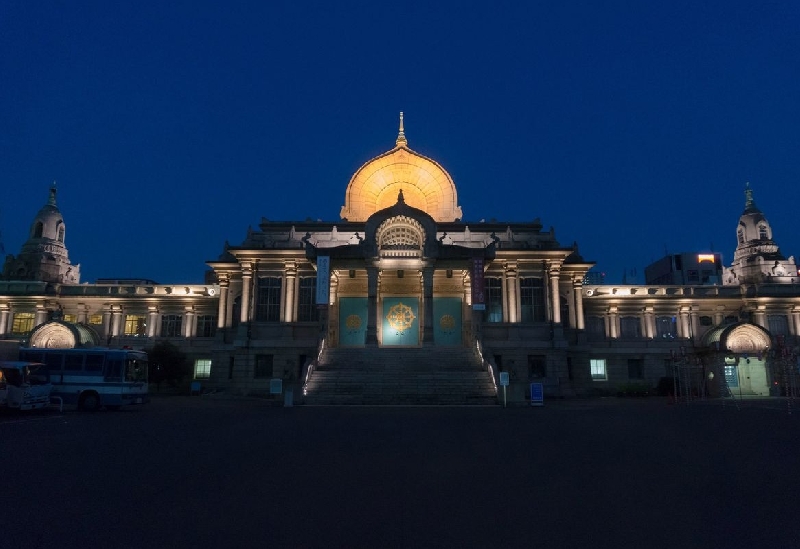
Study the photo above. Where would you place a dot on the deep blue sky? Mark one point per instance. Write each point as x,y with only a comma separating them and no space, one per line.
631,127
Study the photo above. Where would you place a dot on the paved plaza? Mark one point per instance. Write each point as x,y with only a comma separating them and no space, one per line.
197,472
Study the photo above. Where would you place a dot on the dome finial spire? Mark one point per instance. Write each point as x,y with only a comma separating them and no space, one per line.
52,199
401,135
749,203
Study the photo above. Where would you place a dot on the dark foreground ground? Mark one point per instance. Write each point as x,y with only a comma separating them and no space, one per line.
193,472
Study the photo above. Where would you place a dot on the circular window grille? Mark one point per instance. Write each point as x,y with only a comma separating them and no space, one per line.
401,237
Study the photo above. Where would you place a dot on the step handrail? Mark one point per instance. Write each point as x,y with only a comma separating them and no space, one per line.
310,365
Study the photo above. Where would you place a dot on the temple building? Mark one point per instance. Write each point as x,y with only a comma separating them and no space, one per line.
404,300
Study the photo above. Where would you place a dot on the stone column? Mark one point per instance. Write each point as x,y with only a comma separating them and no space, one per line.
247,283
612,323
152,321
41,315
289,301
794,325
83,314
649,322
4,316
694,322
189,326
683,322
427,304
719,315
554,272
760,316
222,311
107,328
372,305
577,290
512,301
117,321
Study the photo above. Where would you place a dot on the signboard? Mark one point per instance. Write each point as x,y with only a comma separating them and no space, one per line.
503,379
478,303
537,394
323,279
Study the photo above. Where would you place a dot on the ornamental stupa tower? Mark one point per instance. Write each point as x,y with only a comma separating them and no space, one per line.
757,258
44,256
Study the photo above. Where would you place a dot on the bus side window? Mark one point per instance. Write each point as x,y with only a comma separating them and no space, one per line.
53,361
73,363
114,369
94,363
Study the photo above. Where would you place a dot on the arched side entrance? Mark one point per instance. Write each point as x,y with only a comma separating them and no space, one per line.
743,349
62,335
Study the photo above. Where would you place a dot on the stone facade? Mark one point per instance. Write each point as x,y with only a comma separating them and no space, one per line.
402,269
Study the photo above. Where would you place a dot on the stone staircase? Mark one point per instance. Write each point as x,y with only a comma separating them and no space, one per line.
400,376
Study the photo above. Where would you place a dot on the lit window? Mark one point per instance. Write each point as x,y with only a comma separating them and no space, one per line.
70,318
134,325
598,368
95,319
202,368
23,323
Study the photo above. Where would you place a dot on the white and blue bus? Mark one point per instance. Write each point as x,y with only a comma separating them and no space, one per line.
94,377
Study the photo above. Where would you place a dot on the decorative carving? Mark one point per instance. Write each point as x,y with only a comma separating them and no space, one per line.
400,317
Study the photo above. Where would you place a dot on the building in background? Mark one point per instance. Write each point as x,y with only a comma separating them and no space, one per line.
696,269
405,301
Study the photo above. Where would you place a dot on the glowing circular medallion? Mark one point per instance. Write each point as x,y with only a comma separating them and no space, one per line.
400,317
353,322
447,322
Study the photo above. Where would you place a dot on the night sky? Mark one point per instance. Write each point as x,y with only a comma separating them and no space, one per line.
170,127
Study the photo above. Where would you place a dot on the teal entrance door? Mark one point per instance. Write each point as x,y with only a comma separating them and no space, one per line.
447,320
400,321
352,321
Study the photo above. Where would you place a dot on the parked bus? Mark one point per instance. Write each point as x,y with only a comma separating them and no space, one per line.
93,377
24,385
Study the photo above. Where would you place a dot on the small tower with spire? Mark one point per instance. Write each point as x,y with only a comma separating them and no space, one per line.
44,255
757,258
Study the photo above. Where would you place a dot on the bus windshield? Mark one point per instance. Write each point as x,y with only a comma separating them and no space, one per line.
136,370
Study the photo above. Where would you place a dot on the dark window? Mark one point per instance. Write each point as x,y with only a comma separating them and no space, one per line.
762,232
94,363
171,325
531,297
206,325
263,367
778,324
537,366
666,327
730,319
73,363
630,327
706,321
636,368
306,307
269,299
231,362
493,293
38,229
54,361
693,276
596,326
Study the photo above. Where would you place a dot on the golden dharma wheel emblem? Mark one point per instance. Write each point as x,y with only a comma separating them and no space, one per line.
353,322
447,322
400,317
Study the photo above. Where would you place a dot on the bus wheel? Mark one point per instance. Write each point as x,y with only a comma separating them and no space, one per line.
89,402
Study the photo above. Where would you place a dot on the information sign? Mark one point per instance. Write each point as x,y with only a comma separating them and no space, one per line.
503,379
537,394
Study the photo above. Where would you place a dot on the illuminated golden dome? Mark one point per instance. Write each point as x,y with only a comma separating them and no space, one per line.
425,185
